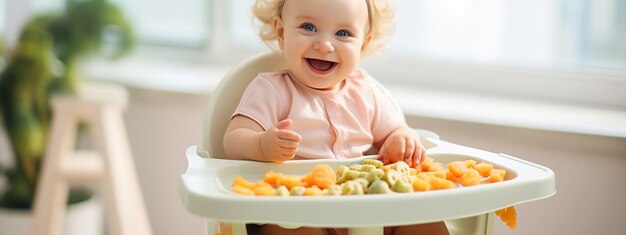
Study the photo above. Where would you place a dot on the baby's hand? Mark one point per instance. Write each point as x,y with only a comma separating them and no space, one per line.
403,144
279,144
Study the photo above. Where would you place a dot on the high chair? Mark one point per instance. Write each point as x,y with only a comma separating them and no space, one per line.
205,186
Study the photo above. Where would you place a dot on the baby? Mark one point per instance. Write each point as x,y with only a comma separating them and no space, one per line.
323,105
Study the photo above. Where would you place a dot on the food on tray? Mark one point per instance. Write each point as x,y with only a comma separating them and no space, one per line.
323,176
470,177
483,168
458,168
438,183
420,184
496,175
313,191
264,189
372,177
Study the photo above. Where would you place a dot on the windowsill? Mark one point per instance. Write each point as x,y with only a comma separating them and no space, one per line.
439,104
510,112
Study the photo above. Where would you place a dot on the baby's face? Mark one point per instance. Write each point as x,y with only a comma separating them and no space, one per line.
322,39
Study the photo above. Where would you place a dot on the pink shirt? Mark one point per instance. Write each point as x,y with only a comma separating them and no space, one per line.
340,124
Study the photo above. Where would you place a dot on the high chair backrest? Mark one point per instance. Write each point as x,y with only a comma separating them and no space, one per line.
225,98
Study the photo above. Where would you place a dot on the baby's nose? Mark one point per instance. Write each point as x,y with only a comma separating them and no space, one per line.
324,46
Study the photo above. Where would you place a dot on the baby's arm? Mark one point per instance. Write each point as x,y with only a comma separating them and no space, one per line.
246,139
403,144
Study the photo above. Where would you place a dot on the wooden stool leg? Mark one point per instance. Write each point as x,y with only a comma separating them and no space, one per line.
126,209
52,188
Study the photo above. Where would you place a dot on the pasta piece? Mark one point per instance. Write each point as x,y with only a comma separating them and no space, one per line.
374,175
355,167
334,190
368,168
373,162
391,177
402,167
282,191
297,191
352,188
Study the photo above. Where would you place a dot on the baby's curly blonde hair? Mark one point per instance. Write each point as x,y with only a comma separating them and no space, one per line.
381,19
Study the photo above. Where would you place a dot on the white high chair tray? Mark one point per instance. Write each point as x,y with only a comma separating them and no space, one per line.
205,190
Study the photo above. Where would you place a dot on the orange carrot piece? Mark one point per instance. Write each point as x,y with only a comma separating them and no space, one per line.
484,168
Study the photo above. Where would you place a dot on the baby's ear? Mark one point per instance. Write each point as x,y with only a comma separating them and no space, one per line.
279,29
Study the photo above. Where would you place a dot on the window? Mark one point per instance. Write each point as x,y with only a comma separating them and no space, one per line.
548,50
555,33
166,22
243,34
182,23
531,33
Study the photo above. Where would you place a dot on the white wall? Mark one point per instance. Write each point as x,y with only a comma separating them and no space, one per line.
589,169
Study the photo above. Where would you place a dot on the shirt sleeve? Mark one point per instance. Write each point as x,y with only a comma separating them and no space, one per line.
387,114
261,102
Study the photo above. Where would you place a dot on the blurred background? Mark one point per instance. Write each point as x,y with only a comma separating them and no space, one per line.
542,80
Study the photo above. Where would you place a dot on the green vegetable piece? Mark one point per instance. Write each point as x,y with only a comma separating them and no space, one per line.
379,187
402,186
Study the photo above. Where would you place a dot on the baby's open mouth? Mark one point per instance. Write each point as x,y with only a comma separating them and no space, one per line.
320,66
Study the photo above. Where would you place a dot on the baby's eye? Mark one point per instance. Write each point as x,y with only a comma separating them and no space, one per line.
343,33
308,27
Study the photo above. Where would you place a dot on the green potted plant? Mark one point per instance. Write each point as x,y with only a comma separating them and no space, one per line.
44,63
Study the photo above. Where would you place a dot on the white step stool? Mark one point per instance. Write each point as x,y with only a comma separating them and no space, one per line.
109,166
